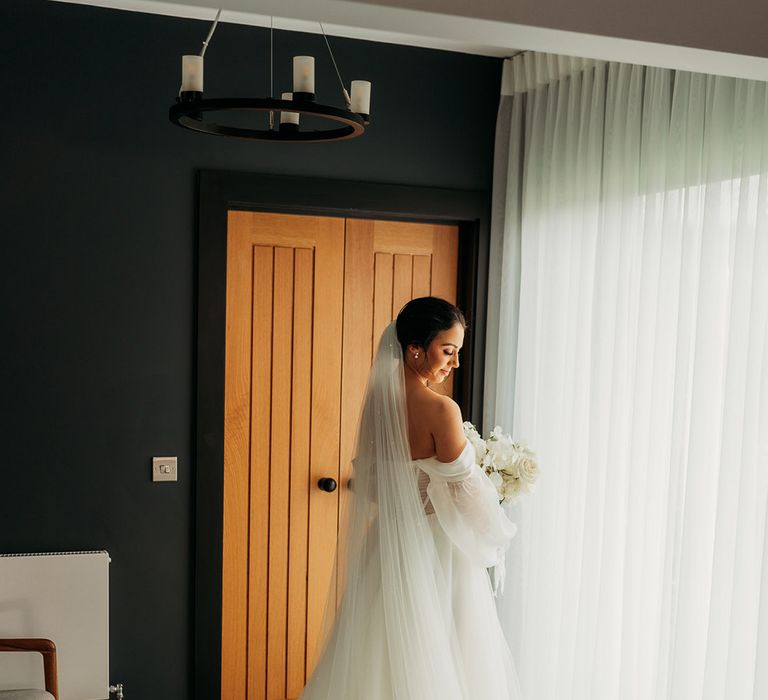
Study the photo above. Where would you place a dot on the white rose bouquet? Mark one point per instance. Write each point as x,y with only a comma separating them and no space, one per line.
511,466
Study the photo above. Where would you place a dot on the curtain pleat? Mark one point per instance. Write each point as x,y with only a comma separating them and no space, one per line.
629,292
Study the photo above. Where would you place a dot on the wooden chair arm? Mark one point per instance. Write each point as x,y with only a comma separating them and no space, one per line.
48,649
41,645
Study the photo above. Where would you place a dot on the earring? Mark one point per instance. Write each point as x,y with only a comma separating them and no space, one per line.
416,356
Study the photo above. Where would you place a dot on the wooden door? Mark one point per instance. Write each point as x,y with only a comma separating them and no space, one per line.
307,297
283,354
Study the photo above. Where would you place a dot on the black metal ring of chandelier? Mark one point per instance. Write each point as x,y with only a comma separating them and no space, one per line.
190,109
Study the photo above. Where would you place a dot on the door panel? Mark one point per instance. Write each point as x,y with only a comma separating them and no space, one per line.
422,275
283,360
301,391
383,274
324,432
307,299
256,568
276,467
402,282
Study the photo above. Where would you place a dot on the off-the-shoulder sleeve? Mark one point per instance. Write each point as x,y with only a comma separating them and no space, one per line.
467,506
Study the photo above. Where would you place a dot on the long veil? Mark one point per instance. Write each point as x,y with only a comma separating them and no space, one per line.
393,635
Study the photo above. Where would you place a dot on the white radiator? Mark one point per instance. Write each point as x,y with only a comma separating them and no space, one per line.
63,597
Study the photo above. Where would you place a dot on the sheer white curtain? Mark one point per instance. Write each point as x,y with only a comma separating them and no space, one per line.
629,290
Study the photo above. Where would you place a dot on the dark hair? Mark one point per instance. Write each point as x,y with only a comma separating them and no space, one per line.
420,320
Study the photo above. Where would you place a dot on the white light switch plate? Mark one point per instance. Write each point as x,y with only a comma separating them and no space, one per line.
164,468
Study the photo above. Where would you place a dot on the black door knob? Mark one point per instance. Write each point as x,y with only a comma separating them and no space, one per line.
327,484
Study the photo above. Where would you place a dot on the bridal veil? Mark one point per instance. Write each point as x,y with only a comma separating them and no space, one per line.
392,635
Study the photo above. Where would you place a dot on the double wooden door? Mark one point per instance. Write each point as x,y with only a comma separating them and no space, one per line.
307,300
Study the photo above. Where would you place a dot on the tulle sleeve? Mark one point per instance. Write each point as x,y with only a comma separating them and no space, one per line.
467,506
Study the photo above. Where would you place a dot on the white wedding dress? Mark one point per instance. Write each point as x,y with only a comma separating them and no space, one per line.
417,620
471,534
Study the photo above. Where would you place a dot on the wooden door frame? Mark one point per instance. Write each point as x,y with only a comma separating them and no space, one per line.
220,191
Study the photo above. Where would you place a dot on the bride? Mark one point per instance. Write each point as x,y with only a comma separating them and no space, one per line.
417,620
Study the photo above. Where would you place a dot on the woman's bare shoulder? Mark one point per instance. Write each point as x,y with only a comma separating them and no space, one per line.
441,416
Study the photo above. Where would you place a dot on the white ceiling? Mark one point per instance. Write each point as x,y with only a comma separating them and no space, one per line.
441,26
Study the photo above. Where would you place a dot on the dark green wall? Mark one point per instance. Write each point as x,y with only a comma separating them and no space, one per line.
97,273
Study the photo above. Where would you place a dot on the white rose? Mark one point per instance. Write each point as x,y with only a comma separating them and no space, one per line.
527,466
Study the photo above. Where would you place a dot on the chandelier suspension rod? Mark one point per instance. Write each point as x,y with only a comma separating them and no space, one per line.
333,59
271,68
210,33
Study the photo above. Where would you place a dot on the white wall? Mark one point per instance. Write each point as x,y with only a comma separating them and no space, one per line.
738,26
707,36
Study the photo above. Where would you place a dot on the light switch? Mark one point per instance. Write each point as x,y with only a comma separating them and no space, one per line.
164,468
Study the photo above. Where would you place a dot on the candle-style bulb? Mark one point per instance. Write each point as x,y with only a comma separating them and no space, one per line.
192,73
304,74
289,118
361,97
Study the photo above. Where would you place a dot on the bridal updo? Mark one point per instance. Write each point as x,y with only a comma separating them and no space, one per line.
420,320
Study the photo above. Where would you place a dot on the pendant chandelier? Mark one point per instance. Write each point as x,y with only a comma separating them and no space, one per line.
233,116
